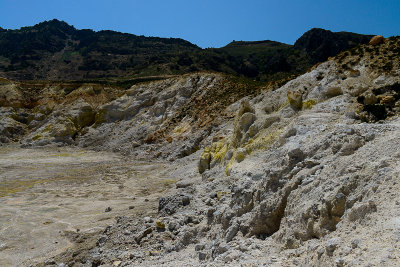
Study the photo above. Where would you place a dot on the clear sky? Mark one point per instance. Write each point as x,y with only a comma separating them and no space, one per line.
210,23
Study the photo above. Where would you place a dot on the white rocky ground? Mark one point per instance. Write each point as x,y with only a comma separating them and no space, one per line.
304,175
310,187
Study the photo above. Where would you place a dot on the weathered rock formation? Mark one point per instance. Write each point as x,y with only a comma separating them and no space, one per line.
304,174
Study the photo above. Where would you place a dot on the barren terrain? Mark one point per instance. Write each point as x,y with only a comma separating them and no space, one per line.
231,172
49,194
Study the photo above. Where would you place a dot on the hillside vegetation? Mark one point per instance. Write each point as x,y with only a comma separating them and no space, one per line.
54,50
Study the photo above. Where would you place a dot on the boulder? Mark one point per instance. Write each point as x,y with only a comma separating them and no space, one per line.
331,245
360,210
370,99
388,99
376,40
10,129
240,154
10,95
246,120
168,205
333,91
295,153
61,129
231,232
204,162
349,147
160,224
82,114
354,73
245,117
295,99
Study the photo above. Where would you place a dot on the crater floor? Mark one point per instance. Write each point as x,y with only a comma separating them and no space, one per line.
47,195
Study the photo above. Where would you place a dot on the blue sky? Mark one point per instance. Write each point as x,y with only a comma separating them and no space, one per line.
210,23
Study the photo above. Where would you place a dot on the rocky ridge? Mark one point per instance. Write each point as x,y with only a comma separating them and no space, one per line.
166,119
303,174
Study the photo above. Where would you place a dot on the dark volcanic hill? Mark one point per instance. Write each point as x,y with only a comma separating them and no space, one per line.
320,44
54,50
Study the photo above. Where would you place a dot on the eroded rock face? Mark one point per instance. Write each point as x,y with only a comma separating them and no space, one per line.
61,125
305,174
65,114
10,95
10,128
146,110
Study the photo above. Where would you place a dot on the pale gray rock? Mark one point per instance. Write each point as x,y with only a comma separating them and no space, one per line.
231,231
360,210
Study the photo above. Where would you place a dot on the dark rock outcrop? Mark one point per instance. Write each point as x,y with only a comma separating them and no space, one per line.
320,44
